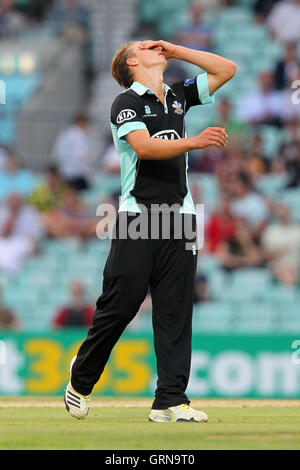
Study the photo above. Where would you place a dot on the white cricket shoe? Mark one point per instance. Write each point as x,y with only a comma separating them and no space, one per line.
160,416
186,413
76,404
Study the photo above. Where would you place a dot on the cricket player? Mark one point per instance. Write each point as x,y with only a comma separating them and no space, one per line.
148,128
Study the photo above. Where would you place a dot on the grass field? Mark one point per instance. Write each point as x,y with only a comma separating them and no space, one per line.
43,423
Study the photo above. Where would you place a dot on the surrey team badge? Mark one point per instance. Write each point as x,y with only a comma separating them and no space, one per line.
178,107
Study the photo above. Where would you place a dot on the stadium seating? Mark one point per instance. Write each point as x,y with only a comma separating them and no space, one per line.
245,301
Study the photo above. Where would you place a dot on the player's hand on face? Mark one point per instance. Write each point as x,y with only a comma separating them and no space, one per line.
167,48
216,136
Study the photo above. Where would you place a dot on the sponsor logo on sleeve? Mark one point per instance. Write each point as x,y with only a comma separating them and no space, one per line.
188,81
125,115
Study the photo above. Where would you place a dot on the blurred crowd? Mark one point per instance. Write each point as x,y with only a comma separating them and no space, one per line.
250,228
247,229
69,20
67,17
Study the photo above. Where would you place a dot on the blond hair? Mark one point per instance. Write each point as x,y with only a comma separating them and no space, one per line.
119,67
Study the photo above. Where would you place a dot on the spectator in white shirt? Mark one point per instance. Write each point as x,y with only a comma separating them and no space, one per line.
284,20
263,106
20,230
248,204
282,241
72,153
110,160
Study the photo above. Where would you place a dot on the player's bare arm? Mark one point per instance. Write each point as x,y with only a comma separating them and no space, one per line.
219,70
159,149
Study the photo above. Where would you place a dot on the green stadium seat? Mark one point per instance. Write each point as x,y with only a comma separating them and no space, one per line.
248,284
208,263
290,326
272,184
279,293
272,139
209,190
253,317
211,316
235,15
219,283
61,247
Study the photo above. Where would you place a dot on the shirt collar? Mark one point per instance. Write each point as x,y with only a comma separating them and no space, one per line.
141,89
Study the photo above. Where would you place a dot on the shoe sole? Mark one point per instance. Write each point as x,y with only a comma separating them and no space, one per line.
179,420
160,420
182,420
192,420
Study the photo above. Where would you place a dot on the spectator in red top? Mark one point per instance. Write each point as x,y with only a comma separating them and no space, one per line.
221,226
78,313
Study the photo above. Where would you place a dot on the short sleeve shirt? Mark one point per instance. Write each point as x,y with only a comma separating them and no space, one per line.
156,181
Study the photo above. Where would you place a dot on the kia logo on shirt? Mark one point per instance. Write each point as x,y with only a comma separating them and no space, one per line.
125,115
169,134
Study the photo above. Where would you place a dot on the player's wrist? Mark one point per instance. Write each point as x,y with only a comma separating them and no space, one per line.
177,52
191,143
182,53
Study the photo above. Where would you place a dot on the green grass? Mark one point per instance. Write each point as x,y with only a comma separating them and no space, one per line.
117,427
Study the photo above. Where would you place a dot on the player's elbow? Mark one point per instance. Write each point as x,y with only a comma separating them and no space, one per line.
143,152
142,155
231,69
227,73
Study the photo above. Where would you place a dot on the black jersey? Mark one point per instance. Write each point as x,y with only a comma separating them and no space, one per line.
156,181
